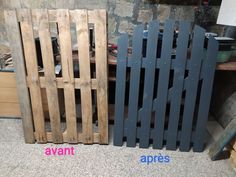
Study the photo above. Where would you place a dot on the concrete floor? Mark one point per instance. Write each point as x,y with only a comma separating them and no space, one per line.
26,160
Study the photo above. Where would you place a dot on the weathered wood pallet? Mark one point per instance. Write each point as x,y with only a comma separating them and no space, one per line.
29,82
170,89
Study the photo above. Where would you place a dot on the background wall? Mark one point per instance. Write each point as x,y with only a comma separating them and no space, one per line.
123,15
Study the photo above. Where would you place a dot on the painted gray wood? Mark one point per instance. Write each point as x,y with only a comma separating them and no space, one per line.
137,43
178,83
192,86
206,90
197,70
149,83
163,82
120,90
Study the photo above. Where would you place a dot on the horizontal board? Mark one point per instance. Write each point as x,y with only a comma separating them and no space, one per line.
7,80
96,137
60,83
8,95
10,110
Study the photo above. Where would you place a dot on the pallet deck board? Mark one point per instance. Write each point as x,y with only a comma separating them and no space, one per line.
67,74
32,71
81,19
14,38
100,23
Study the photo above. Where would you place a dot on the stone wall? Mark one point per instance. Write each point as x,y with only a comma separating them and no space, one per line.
123,15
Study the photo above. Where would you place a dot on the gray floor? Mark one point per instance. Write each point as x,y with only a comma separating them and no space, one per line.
26,160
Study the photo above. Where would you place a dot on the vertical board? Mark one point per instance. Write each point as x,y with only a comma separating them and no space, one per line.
179,71
162,90
206,90
153,32
120,90
63,19
18,61
32,71
100,23
50,78
137,44
192,87
81,17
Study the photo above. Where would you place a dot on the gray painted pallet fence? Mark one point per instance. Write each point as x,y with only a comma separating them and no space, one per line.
175,91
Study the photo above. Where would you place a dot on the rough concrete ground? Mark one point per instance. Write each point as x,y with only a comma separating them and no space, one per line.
26,160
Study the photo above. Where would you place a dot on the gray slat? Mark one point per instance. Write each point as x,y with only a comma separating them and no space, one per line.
162,90
178,83
192,87
149,84
205,97
120,90
134,85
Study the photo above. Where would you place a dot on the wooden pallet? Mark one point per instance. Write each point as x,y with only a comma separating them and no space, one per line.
169,85
27,75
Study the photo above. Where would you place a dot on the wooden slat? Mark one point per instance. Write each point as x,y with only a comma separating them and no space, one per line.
7,80
100,24
10,110
50,78
60,83
120,90
178,83
81,18
68,73
163,82
18,60
191,88
205,97
134,85
32,71
96,137
149,83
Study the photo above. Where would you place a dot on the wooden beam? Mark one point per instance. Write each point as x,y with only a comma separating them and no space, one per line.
18,61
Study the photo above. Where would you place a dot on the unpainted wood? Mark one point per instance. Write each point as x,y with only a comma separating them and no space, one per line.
50,78
10,110
8,95
7,80
100,23
32,72
18,61
67,73
78,83
81,17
